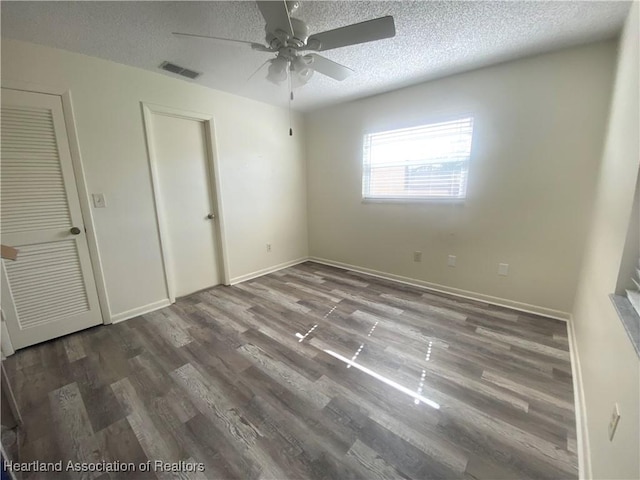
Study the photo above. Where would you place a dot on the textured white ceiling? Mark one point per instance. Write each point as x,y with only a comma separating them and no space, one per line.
433,39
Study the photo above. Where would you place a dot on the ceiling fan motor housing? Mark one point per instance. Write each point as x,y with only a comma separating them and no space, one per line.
278,35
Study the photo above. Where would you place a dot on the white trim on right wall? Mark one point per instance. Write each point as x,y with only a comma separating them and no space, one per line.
582,429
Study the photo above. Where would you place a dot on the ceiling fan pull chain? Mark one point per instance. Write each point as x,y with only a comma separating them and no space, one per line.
290,100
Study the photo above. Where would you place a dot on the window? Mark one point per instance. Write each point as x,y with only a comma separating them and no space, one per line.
425,162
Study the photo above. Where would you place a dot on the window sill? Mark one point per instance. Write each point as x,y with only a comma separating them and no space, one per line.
629,318
446,201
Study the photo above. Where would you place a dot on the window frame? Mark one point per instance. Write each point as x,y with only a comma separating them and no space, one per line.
415,199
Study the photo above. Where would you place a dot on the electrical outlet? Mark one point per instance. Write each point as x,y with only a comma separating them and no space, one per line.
503,269
268,247
417,256
99,200
451,261
613,422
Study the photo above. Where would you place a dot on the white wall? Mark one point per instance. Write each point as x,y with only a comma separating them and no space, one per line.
609,365
538,135
262,169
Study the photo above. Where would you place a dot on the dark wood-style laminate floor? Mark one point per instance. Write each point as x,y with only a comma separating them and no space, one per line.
309,372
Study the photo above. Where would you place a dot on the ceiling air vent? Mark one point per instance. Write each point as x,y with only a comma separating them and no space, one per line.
185,72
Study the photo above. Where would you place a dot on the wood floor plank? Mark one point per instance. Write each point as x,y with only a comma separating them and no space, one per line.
73,429
43,449
321,448
221,413
279,403
525,390
170,328
155,445
229,462
407,458
479,467
102,406
525,344
432,446
118,443
74,347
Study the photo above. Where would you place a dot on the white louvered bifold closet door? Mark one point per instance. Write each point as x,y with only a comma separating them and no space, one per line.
49,290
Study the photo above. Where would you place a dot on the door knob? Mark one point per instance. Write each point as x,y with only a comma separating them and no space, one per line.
75,231
211,216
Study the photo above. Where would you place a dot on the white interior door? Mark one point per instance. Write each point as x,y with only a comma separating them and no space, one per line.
185,197
49,291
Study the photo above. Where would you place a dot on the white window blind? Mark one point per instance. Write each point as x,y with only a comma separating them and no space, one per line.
425,162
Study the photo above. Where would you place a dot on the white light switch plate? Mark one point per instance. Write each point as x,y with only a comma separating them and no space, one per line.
451,261
417,256
99,200
503,269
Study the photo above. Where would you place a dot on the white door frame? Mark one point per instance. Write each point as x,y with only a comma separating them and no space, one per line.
148,109
81,182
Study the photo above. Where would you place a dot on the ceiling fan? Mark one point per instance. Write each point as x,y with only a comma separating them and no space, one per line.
288,38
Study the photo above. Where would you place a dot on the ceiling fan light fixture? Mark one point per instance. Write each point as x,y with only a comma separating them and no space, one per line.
300,66
278,70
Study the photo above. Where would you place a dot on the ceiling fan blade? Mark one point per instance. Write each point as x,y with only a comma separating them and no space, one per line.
255,46
377,29
258,69
328,67
276,14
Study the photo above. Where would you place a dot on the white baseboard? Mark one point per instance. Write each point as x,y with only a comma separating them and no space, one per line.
134,312
265,271
500,302
120,317
582,431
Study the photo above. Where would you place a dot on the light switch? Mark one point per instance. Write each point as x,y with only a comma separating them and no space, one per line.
99,200
503,269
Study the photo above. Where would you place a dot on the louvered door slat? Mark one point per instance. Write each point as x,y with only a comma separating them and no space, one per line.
51,305
55,300
51,208
19,145
26,156
45,135
47,170
18,138
68,277
49,268
15,191
22,182
25,115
